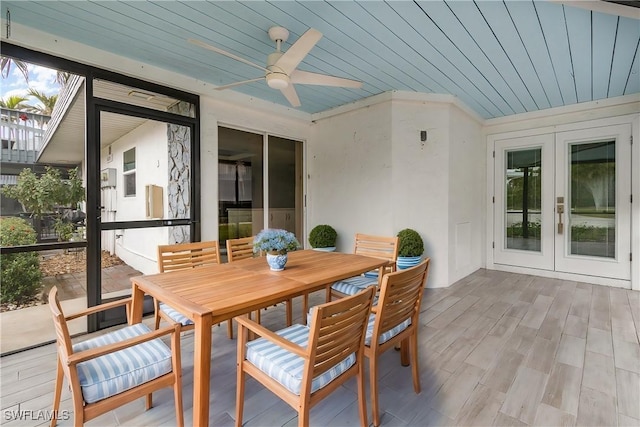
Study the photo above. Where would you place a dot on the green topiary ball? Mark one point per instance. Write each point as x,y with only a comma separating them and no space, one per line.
323,236
410,244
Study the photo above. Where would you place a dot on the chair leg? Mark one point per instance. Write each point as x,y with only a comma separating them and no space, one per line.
57,394
404,352
362,400
373,386
230,329
414,362
239,395
303,416
177,396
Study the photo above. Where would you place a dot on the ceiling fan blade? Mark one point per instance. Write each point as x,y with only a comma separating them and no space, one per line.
307,78
225,53
296,53
230,85
290,93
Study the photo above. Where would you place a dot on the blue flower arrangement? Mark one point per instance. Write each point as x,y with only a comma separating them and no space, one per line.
275,241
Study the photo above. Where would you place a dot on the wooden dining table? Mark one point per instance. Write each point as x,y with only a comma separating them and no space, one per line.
212,294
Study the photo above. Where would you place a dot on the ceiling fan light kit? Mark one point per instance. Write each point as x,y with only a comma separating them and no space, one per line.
280,71
278,80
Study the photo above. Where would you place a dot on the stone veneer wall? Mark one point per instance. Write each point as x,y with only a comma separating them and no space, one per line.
178,188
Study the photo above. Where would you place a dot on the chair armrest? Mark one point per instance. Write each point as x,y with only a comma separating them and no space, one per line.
101,307
270,336
83,356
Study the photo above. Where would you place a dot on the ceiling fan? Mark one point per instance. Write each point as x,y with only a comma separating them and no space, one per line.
280,71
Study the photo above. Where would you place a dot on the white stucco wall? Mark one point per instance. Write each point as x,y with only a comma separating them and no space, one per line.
369,172
467,201
349,161
150,142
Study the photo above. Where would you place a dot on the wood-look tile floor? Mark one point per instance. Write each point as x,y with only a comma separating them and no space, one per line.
495,349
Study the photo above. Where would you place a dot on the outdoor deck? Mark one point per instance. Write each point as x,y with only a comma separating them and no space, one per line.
496,349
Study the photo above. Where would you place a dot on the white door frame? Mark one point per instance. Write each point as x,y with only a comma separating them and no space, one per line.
634,120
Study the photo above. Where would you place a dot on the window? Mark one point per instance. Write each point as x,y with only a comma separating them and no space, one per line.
129,172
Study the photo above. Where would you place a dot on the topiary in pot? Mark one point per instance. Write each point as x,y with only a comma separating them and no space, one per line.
410,248
323,237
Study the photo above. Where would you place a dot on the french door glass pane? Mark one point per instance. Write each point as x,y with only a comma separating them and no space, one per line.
592,218
523,199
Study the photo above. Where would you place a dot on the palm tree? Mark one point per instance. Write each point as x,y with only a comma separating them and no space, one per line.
46,102
14,102
61,76
5,63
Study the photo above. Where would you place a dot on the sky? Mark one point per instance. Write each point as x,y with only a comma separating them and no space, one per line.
40,78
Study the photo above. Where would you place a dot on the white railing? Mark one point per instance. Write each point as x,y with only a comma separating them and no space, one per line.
22,135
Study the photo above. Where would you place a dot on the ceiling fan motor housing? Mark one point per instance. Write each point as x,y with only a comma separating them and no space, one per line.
276,78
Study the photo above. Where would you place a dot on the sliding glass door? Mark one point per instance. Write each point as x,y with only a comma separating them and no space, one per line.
257,170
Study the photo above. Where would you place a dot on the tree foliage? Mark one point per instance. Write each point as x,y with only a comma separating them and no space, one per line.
14,102
45,107
39,195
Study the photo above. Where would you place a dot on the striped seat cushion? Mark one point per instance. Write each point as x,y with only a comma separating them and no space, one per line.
286,367
387,335
353,285
175,315
116,372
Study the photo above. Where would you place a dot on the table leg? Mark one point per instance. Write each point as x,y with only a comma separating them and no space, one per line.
136,305
201,370
305,308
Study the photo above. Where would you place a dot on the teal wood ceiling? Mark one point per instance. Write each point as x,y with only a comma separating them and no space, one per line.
498,57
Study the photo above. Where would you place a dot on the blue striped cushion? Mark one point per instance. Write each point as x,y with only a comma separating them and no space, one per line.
175,315
286,367
353,285
387,335
114,373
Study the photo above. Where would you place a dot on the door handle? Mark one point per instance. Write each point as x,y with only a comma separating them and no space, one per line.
560,210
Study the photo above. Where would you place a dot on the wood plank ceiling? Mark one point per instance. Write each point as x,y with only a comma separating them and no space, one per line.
499,57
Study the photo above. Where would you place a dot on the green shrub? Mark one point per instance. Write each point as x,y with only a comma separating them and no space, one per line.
323,236
410,244
20,273
64,230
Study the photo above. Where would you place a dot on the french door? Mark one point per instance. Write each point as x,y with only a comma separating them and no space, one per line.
562,202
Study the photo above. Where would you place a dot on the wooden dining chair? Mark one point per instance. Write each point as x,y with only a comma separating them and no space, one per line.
182,256
115,368
303,364
394,321
242,248
374,246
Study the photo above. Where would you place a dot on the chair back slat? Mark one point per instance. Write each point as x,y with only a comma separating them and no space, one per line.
377,246
238,249
187,255
400,297
337,330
